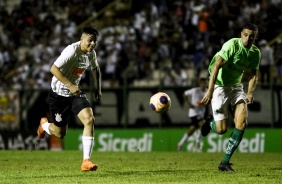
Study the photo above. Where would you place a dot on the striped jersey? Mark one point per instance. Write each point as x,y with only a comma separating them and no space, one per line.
72,63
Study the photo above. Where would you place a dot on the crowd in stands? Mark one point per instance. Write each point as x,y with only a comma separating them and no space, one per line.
143,43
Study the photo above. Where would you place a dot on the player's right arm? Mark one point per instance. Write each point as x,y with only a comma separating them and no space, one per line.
59,75
66,55
219,62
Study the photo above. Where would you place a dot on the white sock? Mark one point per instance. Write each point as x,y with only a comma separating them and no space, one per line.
184,138
199,137
45,127
87,142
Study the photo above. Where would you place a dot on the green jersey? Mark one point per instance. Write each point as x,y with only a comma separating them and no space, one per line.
238,58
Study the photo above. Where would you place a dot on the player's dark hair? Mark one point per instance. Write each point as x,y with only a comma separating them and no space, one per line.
251,26
91,30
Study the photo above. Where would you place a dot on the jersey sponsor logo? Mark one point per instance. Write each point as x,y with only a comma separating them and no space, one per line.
78,71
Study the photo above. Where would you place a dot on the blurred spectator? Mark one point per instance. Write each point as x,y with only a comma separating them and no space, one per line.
199,60
168,78
9,110
266,62
152,36
180,77
203,25
175,77
278,60
111,67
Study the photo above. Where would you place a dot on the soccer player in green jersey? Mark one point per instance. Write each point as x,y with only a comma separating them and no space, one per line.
225,88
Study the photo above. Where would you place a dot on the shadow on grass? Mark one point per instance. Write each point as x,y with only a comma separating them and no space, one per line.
276,168
150,172
106,173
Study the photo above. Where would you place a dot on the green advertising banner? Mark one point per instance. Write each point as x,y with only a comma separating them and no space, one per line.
148,140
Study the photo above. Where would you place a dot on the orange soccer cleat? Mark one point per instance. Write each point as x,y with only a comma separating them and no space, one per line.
40,131
87,165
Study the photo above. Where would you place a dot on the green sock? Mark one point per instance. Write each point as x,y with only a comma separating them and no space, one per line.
213,125
234,141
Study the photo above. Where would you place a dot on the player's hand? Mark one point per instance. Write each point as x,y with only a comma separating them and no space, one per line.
98,96
75,90
250,98
199,103
207,98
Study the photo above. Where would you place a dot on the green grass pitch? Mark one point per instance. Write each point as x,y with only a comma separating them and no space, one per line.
59,167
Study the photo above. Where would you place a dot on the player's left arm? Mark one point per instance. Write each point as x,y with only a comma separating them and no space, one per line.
97,78
253,80
252,85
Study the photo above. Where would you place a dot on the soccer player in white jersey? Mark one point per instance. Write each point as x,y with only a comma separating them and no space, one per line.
196,111
65,96
225,88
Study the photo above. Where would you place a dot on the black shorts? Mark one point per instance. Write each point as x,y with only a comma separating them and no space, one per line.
196,120
61,108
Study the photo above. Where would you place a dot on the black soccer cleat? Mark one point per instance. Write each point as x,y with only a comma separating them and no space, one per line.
225,167
206,128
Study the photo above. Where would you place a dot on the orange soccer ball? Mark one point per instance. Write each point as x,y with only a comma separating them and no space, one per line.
160,102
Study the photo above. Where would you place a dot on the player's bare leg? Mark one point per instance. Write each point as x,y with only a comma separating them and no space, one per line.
198,146
87,118
241,114
199,136
185,137
219,127
40,130
201,122
51,129
59,132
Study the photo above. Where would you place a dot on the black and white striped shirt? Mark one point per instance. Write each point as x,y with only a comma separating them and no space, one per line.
72,63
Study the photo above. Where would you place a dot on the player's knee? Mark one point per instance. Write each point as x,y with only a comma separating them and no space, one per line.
89,121
241,125
221,131
221,127
61,135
